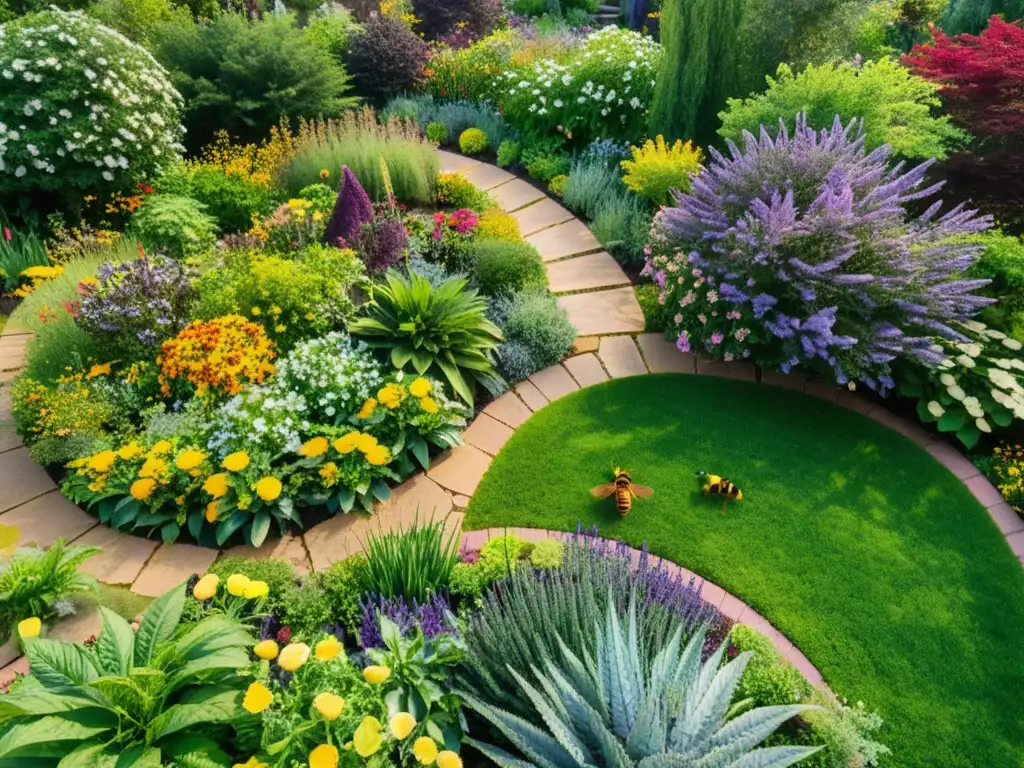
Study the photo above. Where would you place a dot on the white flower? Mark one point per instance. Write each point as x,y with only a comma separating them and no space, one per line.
1011,344
965,361
982,425
557,103
20,171
107,175
935,409
947,380
956,393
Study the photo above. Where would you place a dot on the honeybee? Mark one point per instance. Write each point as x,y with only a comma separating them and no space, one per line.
719,486
624,489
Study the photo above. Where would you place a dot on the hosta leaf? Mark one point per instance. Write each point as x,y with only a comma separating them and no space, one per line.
418,448
926,416
45,737
115,644
259,529
969,435
56,664
952,420
1001,416
89,755
208,705
158,624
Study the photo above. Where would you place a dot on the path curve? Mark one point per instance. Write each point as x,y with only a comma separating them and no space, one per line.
596,294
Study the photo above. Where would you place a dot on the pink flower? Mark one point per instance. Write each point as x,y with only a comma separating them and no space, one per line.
688,299
661,297
7,233
728,357
716,338
703,318
678,319
741,334
712,297
683,342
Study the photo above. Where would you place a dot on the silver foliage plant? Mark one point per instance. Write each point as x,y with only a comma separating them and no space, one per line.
607,711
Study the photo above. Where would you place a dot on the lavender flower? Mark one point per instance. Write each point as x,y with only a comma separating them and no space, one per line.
433,618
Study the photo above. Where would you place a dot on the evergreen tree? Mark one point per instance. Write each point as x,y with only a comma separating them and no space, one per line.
971,16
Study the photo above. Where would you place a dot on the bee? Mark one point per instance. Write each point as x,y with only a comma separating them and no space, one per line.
624,489
719,486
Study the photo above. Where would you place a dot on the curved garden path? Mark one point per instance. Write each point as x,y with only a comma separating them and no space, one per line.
601,304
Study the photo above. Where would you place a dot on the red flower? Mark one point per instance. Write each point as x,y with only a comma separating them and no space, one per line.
71,307
284,635
7,233
145,188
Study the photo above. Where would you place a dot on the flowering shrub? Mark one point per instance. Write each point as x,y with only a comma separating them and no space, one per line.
71,412
799,251
1005,468
468,73
62,76
455,190
177,226
31,278
352,209
291,227
496,224
657,169
473,141
383,242
447,241
137,305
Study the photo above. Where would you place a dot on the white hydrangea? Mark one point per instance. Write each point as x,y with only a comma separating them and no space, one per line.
935,409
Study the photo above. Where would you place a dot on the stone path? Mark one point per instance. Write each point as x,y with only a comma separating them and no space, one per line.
611,346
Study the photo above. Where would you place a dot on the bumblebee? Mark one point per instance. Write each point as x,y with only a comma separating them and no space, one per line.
719,486
625,491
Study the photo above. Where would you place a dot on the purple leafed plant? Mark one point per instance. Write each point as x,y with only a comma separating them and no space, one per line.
351,211
383,243
801,250
432,617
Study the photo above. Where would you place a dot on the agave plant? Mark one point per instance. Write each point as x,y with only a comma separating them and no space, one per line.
441,331
140,698
609,712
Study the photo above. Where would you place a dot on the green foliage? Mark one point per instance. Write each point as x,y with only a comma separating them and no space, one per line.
135,19
626,713
437,131
229,198
499,557
655,316
657,169
508,153
473,141
134,697
41,584
545,167
971,16
342,583
442,331
558,184
537,332
546,554
19,250
176,226
896,106
456,191
500,266
331,30
847,733
591,181
768,679
1002,262
466,581
413,563
623,224
278,575
47,415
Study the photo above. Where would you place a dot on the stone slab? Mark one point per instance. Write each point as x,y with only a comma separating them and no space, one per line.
915,432
12,351
289,548
515,194
530,395
540,216
509,410
14,328
1006,518
585,344
123,556
170,565
488,434
554,382
584,273
418,500
46,518
337,538
460,469
485,176
84,623
604,312
708,367
986,493
453,163
662,356
460,501
829,392
23,479
567,239
9,651
1016,542
586,369
621,357
953,460
793,381
854,402
742,370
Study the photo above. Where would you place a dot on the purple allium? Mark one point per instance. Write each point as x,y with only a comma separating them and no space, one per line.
351,211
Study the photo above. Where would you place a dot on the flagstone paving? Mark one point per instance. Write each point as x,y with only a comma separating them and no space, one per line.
582,273
515,195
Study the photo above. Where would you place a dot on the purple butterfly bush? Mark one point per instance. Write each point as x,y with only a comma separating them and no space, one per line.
801,250
352,210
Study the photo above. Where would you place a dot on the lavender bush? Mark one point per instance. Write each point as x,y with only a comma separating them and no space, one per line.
434,617
352,210
135,306
800,251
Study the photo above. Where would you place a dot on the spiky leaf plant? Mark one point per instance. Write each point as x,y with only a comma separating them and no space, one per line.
439,331
608,710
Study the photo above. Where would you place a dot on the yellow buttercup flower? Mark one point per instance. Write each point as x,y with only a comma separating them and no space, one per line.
367,410
266,650
236,462
368,738
206,587
293,656
212,510
216,485
401,725
256,589
329,705
30,627
257,698
419,388
378,455
424,749
269,488
189,460
256,311
376,675
102,462
328,648
366,443
160,448
347,443
141,489
428,404
317,446
130,451
324,756
237,582
449,759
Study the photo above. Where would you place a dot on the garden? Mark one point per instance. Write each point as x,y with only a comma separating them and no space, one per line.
268,271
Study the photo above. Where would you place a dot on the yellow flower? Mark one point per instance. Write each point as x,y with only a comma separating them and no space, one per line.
268,489
216,485
256,311
401,725
428,404
252,762
329,472
160,448
256,589
324,756
391,395
313,448
206,587
266,650
328,648
237,582
347,443
449,759
424,749
141,489
257,698
130,451
152,467
378,455
375,675
98,370
211,511
30,627
419,388
324,173
366,443
102,462
329,705
236,462
367,410
293,656
189,460
280,328
367,738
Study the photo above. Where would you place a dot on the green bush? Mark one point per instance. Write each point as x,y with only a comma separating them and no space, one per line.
278,575
332,30
1002,262
175,226
466,581
414,563
546,554
500,266
508,153
135,19
229,198
19,249
622,223
545,167
591,181
655,316
437,131
473,141
343,584
768,680
456,191
558,184
537,332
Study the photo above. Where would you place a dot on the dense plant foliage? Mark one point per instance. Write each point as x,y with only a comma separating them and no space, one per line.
506,267
657,169
177,226
413,563
385,57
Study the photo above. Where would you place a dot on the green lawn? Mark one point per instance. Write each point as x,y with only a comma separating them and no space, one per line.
853,541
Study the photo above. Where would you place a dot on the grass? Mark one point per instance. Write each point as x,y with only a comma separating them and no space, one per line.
872,558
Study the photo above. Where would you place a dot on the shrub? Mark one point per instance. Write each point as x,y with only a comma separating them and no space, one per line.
49,141
895,105
413,563
592,180
352,211
442,331
971,16
443,17
461,116
496,224
243,77
655,314
545,167
437,132
657,170
468,73
177,226
342,582
508,153
1005,468
384,242
768,680
231,199
456,191
558,184
278,575
846,732
135,19
473,141
537,332
504,267
331,30
622,223
546,554
385,57
841,296
20,249
447,242
1002,262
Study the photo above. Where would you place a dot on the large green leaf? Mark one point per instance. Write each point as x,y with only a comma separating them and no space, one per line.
115,645
952,420
56,664
210,704
158,624
224,659
969,435
259,529
45,737
183,746
89,755
41,701
140,756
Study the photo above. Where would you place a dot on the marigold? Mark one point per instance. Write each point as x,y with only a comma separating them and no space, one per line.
130,451
152,467
324,756
428,404
212,510
419,388
329,705
401,725
367,410
347,443
448,759
102,461
375,675
368,738
328,648
378,456
293,656
268,488
266,650
160,448
257,698
141,489
329,473
188,460
314,447
237,582
424,749
366,443
236,462
206,587
30,627
98,370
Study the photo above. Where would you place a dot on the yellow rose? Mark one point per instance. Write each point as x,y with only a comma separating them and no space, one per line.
324,756
428,404
236,462
401,725
293,656
141,489
189,460
130,451
366,443
419,388
206,587
152,467
328,648
347,443
268,489
237,582
367,410
256,589
375,675
30,627
367,738
313,448
257,698
160,448
216,485
266,650
102,462
378,455
424,749
329,705
212,510
449,759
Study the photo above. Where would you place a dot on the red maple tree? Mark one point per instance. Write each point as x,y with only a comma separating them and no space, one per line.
982,78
